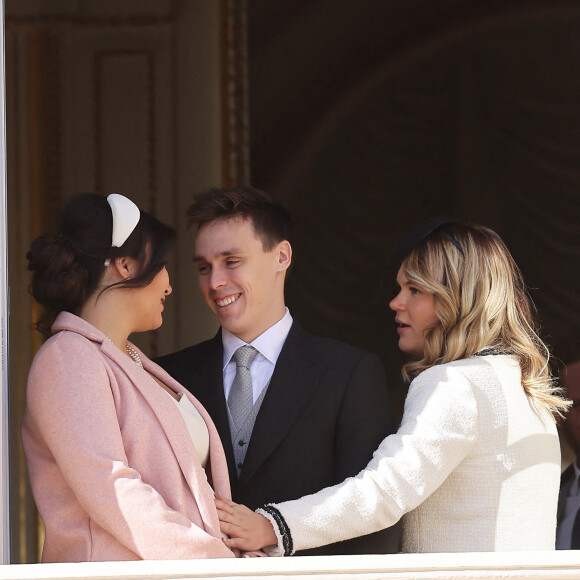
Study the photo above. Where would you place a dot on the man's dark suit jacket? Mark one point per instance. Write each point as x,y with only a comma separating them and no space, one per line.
324,414
566,481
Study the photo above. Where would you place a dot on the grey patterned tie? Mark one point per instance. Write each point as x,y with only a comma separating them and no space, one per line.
241,398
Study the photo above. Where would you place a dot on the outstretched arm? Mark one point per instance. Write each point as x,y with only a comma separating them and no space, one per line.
438,429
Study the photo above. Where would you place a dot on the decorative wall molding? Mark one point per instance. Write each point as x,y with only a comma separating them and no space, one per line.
60,9
236,143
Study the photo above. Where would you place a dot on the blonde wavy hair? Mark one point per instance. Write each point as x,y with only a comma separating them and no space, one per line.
481,301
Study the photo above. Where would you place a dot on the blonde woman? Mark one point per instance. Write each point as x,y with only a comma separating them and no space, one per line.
475,464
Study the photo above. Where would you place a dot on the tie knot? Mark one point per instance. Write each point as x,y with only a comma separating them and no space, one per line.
244,356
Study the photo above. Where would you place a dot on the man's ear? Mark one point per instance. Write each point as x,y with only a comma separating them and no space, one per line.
284,253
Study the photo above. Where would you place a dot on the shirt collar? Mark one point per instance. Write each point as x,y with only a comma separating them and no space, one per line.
269,344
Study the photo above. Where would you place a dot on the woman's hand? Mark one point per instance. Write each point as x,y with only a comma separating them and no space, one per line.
247,530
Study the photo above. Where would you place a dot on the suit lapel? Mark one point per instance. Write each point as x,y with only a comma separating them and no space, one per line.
207,385
290,390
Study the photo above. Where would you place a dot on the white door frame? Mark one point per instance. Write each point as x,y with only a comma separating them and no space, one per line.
4,314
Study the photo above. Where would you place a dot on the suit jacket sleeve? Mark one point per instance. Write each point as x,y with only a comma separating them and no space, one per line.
72,417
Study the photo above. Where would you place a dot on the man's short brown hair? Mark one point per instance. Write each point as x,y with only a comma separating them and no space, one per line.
270,220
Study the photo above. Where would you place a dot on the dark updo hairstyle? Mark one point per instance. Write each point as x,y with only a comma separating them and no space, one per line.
68,265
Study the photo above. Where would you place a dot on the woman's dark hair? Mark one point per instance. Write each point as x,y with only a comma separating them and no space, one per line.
68,265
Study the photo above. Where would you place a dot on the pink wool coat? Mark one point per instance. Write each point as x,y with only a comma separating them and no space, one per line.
113,469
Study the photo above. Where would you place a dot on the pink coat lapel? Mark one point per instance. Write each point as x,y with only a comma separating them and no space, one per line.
176,432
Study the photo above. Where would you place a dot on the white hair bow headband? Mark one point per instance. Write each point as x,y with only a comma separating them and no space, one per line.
126,216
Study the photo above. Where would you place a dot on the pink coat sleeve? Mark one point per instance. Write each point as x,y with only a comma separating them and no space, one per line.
71,412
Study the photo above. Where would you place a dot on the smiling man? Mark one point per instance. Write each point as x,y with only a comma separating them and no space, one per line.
296,413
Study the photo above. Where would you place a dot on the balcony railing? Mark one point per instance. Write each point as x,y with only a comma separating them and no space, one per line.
507,565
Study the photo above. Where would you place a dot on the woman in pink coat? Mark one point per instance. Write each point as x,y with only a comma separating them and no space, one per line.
123,461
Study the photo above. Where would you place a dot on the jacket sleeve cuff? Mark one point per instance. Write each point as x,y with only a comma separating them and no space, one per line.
284,547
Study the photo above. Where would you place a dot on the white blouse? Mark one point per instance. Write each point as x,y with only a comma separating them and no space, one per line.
195,426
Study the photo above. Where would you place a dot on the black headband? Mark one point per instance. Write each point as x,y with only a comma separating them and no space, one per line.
423,232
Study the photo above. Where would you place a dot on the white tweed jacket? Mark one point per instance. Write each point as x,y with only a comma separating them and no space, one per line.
473,467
